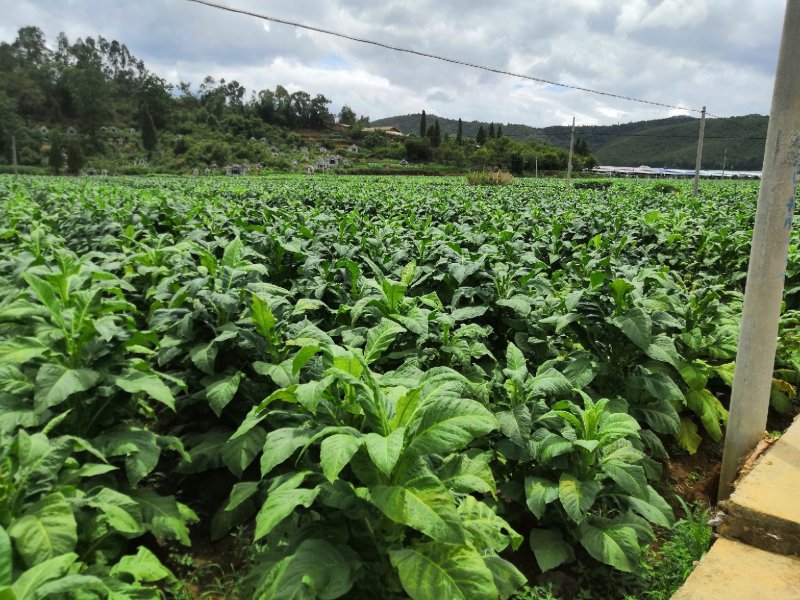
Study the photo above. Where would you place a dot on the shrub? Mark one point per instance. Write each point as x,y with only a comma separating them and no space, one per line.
489,178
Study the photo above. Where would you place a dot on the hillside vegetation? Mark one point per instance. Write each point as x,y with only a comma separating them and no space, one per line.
668,142
92,106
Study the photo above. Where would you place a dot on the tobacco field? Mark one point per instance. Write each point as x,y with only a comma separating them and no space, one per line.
377,387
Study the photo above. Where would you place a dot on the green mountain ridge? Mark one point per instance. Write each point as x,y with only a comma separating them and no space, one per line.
738,142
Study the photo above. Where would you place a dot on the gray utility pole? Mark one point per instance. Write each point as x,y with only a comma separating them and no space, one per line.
724,162
571,147
758,334
14,153
699,152
536,158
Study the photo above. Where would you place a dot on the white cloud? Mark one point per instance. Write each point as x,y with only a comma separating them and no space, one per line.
719,53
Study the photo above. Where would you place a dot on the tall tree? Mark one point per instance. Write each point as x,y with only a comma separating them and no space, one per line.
499,131
460,134
437,134
149,139
430,132
347,116
423,125
75,158
55,159
491,131
481,137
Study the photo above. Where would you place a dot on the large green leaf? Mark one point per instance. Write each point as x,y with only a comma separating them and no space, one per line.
687,436
379,338
281,444
135,381
139,447
20,350
422,503
506,576
282,502
577,496
551,383
485,529
336,451
263,317
239,452
637,325
436,570
550,549
6,561
539,492
55,383
709,409
385,450
163,516
663,348
445,426
120,511
465,474
46,530
652,507
612,544
516,424
221,390
316,569
142,566
27,584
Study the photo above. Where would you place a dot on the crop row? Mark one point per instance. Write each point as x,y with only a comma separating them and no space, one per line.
389,384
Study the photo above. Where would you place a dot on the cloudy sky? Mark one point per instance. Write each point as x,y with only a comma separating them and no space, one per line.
721,53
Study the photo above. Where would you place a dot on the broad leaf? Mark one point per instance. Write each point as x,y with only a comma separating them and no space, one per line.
280,503
142,566
385,450
550,549
222,390
30,581
46,530
281,444
55,383
135,381
448,426
577,496
163,516
612,544
379,338
422,503
637,326
485,529
336,451
239,452
540,492
436,570
316,569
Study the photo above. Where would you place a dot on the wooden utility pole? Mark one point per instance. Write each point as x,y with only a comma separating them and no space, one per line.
571,147
14,153
699,152
758,334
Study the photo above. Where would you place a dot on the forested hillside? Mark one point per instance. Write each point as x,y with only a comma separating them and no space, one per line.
668,142
91,105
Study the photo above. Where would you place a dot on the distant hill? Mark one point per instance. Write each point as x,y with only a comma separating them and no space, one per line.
670,142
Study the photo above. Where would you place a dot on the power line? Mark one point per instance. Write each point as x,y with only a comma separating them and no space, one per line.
655,135
437,57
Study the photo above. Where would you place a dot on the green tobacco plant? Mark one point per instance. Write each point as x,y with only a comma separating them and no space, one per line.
581,468
384,460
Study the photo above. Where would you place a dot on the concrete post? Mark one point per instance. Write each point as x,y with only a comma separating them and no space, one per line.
755,357
571,147
699,158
